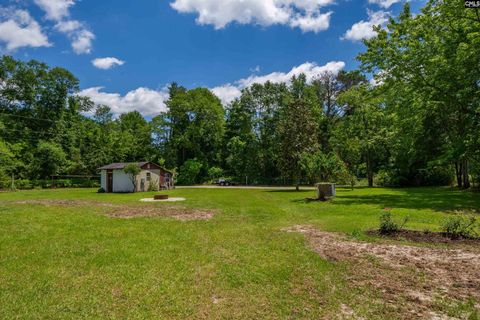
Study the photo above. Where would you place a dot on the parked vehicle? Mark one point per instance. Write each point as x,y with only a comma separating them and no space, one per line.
225,182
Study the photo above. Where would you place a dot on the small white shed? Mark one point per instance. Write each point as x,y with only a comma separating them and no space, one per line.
151,177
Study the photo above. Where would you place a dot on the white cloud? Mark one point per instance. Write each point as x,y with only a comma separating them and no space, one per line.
364,29
310,69
18,29
107,63
146,101
59,11
78,33
55,9
68,26
82,41
313,23
228,92
152,102
384,3
303,14
81,38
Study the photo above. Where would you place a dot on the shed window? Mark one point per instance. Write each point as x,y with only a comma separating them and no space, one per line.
149,176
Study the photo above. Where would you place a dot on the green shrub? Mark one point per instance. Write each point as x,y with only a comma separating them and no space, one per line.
460,227
154,185
431,176
434,176
387,178
324,167
189,172
24,184
215,173
63,183
101,190
390,226
5,184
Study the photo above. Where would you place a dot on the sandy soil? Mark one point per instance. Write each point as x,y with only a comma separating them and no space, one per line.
130,212
410,279
178,213
426,237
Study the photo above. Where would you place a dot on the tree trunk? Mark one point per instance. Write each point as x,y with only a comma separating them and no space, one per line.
458,172
466,178
370,179
369,172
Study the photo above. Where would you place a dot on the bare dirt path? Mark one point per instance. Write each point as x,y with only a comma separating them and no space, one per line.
410,278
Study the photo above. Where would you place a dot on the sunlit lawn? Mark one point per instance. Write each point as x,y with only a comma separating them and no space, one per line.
76,262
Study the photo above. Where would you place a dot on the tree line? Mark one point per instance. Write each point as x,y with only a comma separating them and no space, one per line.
414,123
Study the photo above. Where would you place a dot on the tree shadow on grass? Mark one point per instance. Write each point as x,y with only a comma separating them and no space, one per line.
292,191
438,199
300,196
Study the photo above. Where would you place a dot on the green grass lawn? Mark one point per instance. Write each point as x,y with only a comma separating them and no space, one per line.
76,262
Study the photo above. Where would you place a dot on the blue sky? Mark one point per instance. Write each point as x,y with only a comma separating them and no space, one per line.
140,46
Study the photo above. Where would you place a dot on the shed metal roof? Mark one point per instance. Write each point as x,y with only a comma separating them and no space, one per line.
122,165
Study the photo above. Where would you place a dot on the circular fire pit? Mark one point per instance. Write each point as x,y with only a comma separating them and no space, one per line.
160,197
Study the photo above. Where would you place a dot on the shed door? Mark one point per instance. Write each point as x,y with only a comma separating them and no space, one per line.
109,181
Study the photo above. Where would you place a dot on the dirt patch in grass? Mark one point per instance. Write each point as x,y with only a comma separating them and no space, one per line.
426,237
130,212
176,212
410,280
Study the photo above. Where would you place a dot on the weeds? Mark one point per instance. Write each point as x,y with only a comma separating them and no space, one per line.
460,227
390,226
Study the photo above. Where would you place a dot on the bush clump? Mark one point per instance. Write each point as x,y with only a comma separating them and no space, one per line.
431,176
24,184
190,172
388,225
154,185
461,227
434,176
388,178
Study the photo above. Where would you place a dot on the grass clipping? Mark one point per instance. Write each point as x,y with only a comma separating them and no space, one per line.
129,212
410,279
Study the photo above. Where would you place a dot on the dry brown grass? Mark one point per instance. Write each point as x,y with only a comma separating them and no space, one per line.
175,212
130,212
